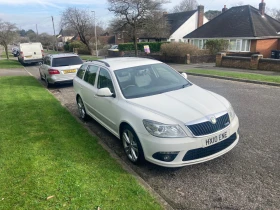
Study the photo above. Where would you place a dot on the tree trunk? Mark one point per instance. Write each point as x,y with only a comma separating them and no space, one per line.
135,41
6,49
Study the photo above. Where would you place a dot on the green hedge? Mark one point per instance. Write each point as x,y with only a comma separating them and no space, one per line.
154,46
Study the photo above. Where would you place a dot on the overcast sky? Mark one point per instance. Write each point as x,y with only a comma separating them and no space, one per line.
27,13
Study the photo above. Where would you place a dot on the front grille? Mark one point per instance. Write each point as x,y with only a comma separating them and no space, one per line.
207,151
207,127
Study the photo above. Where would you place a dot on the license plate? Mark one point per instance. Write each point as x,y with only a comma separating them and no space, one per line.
69,71
29,56
215,139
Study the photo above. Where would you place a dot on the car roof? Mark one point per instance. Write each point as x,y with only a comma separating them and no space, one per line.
123,62
62,55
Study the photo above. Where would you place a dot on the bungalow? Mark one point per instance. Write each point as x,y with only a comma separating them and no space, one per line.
246,28
181,23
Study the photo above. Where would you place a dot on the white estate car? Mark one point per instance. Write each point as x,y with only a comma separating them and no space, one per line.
59,68
158,114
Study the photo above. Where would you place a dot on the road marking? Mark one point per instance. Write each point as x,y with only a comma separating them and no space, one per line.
28,72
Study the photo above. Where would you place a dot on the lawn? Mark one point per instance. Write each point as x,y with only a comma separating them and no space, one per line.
88,57
4,55
240,75
52,51
48,160
5,64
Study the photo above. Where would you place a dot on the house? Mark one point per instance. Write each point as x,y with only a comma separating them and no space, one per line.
64,36
246,28
181,23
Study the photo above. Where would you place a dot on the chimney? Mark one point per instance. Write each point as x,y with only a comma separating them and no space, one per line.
225,8
262,8
200,13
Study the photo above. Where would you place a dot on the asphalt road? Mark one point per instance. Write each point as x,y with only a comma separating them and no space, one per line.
248,177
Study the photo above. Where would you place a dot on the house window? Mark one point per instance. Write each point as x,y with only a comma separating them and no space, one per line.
200,43
172,40
239,45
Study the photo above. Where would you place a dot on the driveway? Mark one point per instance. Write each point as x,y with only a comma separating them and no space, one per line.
248,177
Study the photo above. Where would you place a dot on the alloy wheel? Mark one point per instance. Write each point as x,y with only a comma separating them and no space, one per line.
81,108
130,145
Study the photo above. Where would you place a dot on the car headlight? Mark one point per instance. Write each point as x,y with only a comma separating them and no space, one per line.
231,113
162,130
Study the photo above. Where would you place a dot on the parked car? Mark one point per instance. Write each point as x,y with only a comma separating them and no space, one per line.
157,113
15,51
30,53
59,68
114,48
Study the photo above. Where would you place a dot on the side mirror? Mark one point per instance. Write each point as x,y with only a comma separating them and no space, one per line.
104,92
184,75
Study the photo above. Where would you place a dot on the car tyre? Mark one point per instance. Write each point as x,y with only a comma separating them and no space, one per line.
47,83
132,146
41,77
81,108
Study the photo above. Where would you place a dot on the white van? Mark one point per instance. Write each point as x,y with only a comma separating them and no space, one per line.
30,53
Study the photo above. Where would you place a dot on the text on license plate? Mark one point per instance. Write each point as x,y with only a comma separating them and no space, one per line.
215,139
69,71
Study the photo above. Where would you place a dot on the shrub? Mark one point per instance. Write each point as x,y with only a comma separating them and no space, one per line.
154,46
82,49
66,47
216,45
179,49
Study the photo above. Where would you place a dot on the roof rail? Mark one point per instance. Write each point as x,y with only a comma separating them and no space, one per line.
106,64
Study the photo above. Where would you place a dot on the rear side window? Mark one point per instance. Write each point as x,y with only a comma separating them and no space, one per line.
66,61
91,74
81,71
47,61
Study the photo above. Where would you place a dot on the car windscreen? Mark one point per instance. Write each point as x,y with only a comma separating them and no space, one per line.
147,80
66,61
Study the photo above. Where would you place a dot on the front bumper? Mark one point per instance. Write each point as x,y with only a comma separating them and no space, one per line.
190,149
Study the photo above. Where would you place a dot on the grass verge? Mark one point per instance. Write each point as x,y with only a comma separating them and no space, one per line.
239,75
6,64
52,51
88,57
3,55
49,161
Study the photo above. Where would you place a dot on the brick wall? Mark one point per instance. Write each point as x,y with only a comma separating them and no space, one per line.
265,46
253,47
256,62
269,64
236,62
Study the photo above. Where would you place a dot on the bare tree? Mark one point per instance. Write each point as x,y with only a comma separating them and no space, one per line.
81,21
185,5
8,32
275,13
156,26
133,14
211,14
45,39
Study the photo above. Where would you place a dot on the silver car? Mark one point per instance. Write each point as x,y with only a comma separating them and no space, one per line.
59,68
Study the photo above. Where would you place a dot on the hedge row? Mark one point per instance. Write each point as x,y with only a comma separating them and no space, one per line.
154,46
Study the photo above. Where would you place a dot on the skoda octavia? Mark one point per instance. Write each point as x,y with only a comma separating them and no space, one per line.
158,114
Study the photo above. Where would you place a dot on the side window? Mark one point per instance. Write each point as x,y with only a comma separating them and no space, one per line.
104,80
81,71
48,61
91,74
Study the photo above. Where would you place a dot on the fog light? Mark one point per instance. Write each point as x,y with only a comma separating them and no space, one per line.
165,156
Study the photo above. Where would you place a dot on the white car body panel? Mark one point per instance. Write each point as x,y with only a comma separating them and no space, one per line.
183,106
